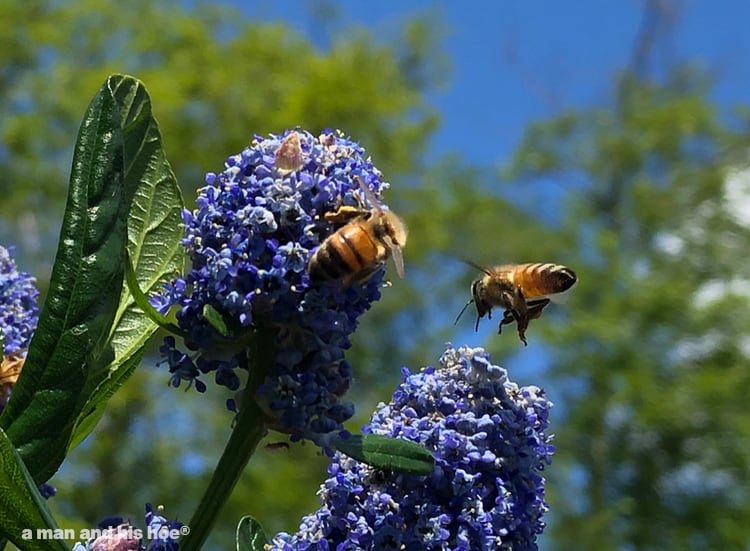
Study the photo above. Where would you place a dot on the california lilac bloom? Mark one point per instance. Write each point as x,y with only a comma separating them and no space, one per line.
161,532
249,240
19,315
47,491
117,534
122,537
19,312
486,491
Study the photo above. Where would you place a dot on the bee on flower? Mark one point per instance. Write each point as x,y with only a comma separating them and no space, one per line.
258,240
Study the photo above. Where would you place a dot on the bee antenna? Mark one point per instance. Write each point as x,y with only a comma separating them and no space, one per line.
461,313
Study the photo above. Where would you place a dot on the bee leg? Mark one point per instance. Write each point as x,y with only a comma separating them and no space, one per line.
344,214
534,309
483,307
522,319
508,317
523,324
520,312
480,315
345,282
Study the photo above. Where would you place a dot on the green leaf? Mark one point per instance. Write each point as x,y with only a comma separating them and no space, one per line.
383,452
83,296
89,336
22,508
153,249
216,320
250,535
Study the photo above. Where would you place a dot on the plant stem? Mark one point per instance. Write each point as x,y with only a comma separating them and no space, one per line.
247,433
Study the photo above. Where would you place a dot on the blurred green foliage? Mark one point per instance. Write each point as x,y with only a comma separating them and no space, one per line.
653,444
648,355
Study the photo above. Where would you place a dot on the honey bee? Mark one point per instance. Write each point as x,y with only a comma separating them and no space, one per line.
522,290
10,369
362,245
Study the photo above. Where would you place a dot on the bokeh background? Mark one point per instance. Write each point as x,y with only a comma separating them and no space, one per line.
612,137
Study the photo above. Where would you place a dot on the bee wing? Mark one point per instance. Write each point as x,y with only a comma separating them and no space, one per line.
369,195
398,258
475,265
395,248
536,306
559,298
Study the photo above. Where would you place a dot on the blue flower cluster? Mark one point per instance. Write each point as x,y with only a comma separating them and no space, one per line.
486,492
116,534
161,531
19,315
19,312
249,240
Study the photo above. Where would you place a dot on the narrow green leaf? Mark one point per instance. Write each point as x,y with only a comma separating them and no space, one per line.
392,454
250,535
23,510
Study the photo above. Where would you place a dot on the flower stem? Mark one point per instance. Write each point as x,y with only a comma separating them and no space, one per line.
248,431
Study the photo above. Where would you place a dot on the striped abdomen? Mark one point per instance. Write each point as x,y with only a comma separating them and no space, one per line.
348,253
540,279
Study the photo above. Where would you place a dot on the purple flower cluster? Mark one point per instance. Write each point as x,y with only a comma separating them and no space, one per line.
19,312
486,492
19,315
161,531
249,240
116,534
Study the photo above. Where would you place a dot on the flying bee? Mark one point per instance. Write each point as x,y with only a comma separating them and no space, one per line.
522,290
362,245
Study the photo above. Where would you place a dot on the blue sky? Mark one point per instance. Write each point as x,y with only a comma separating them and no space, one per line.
516,61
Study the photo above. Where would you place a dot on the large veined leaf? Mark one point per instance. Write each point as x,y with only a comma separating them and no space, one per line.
154,233
122,195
